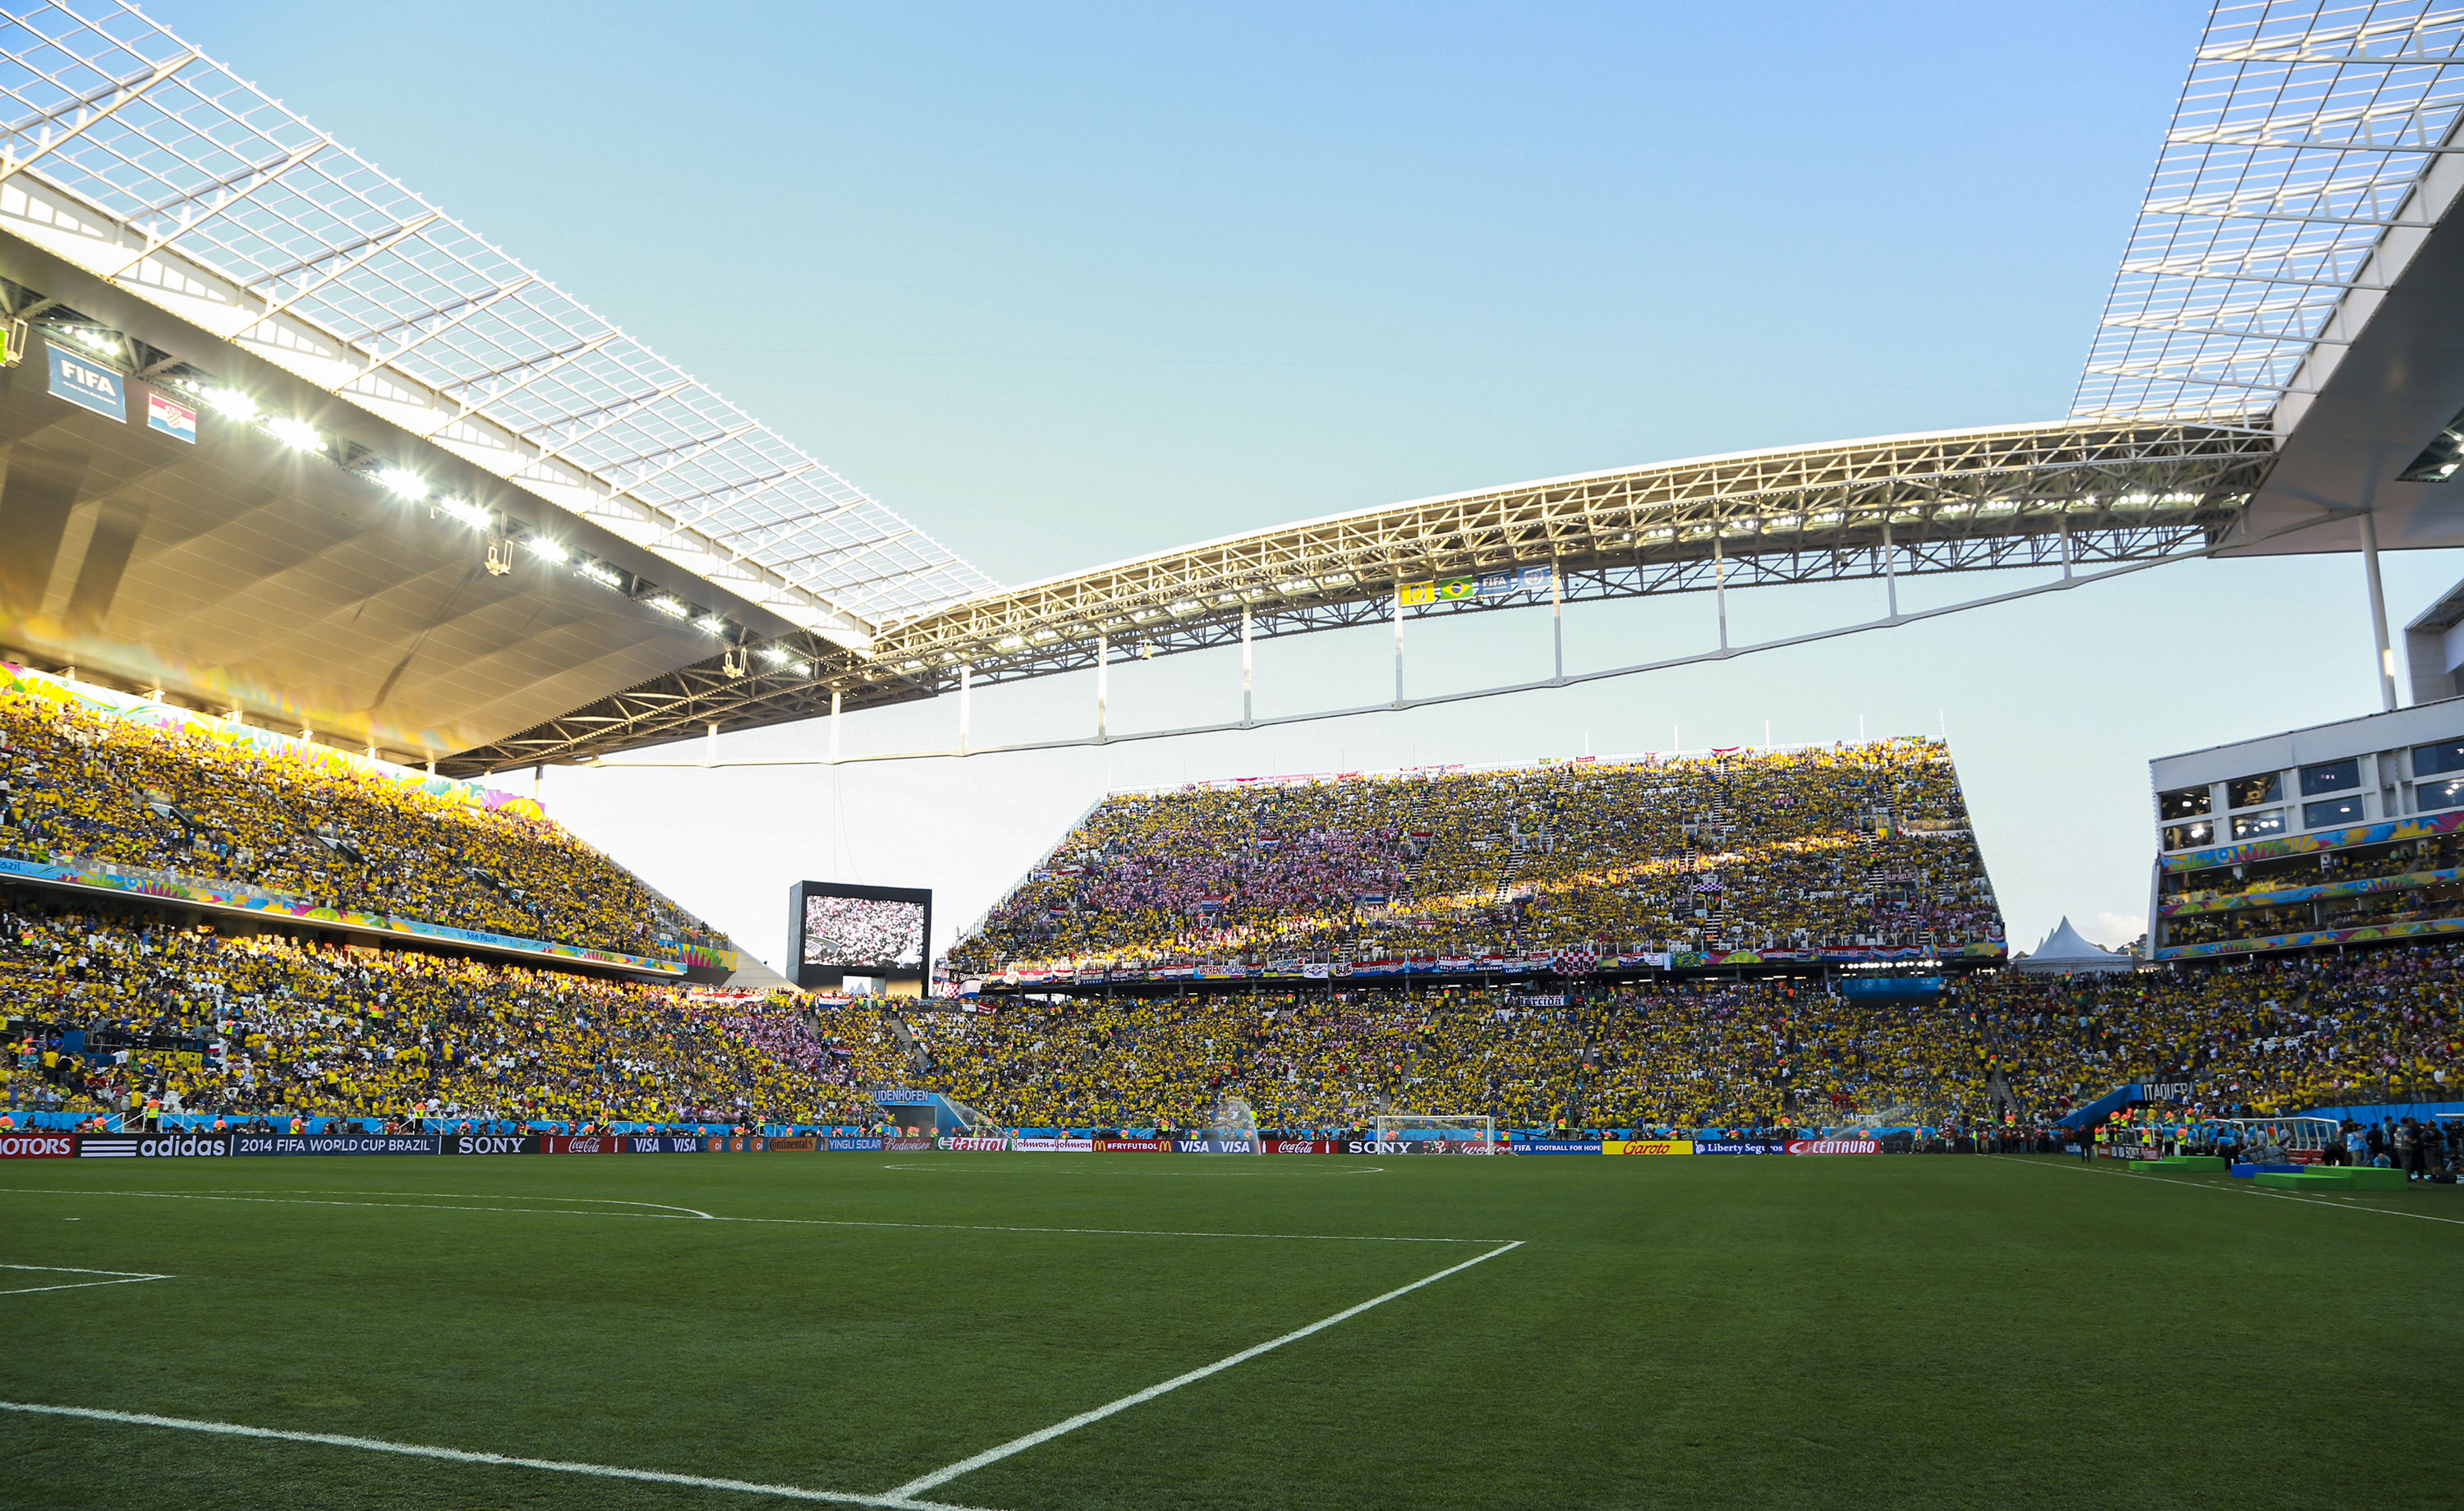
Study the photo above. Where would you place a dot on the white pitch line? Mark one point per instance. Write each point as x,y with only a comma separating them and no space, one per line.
2257,1191
120,1278
1019,1445
379,1445
804,1222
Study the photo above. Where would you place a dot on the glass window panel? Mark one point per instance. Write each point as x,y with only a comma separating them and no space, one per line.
2433,797
2189,835
2336,776
2259,826
2335,810
2249,792
2429,760
2186,802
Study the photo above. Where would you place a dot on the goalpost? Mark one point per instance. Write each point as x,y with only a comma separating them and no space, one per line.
1475,1132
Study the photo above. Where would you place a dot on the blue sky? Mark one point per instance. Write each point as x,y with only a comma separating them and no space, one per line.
1067,283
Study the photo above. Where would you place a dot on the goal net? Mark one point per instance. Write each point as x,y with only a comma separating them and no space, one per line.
1472,1132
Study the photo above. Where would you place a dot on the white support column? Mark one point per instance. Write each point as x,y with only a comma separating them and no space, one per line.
834,726
1398,647
1248,669
2378,611
710,751
1103,679
2065,520
1890,566
966,696
1557,618
1719,584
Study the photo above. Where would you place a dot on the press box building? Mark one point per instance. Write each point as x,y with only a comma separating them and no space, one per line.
2340,833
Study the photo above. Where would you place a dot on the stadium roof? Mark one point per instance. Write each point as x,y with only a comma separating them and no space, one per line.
2295,182
132,155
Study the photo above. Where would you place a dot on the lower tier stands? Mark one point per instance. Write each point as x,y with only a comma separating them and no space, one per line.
262,1024
259,1024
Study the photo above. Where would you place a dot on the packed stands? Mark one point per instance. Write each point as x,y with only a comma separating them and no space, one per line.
84,784
274,1025
1852,847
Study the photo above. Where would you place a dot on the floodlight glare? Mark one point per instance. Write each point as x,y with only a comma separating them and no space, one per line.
668,605
231,403
402,483
777,655
297,434
602,574
470,513
712,622
542,546
99,341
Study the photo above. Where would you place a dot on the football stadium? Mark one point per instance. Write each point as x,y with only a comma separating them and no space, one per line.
328,529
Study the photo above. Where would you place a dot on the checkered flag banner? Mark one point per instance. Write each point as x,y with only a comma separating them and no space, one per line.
1577,962
1708,883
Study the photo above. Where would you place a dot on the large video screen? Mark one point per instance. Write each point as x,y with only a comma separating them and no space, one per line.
860,930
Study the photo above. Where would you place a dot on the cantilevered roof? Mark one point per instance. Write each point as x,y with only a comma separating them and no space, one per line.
2295,182
131,154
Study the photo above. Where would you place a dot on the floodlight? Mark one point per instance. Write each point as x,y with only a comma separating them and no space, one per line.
777,655
231,404
597,573
107,341
469,512
668,605
297,434
542,546
402,483
712,622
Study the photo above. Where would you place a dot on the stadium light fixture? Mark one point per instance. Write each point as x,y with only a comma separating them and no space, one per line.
712,622
402,483
104,342
297,434
669,607
602,573
231,404
542,546
777,655
469,512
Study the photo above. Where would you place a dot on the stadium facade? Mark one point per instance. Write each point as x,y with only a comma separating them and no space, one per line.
2343,833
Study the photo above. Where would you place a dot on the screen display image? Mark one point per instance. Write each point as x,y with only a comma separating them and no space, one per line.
851,931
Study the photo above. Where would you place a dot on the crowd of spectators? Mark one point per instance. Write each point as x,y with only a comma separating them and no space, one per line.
1748,850
260,1025
82,786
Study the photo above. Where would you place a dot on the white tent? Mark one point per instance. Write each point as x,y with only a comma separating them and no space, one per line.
2064,951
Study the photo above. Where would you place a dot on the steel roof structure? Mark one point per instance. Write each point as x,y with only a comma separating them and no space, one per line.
2080,497
2294,184
2285,334
132,155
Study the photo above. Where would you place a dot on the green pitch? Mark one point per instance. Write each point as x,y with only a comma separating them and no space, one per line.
1704,1332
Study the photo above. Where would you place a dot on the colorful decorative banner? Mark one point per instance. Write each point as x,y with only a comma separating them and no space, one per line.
2304,941
2415,828
239,897
2202,904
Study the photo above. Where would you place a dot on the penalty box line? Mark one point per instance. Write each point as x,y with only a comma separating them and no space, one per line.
1019,1445
2256,1191
119,1278
379,1445
697,1215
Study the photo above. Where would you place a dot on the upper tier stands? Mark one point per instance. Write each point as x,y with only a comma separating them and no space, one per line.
396,1033
89,786
1789,850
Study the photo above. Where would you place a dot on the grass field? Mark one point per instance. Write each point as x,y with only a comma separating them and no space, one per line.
1706,1333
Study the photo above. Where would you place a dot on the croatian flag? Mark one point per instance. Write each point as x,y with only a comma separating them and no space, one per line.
175,420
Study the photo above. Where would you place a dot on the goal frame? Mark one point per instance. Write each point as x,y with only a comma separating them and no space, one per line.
1395,1127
